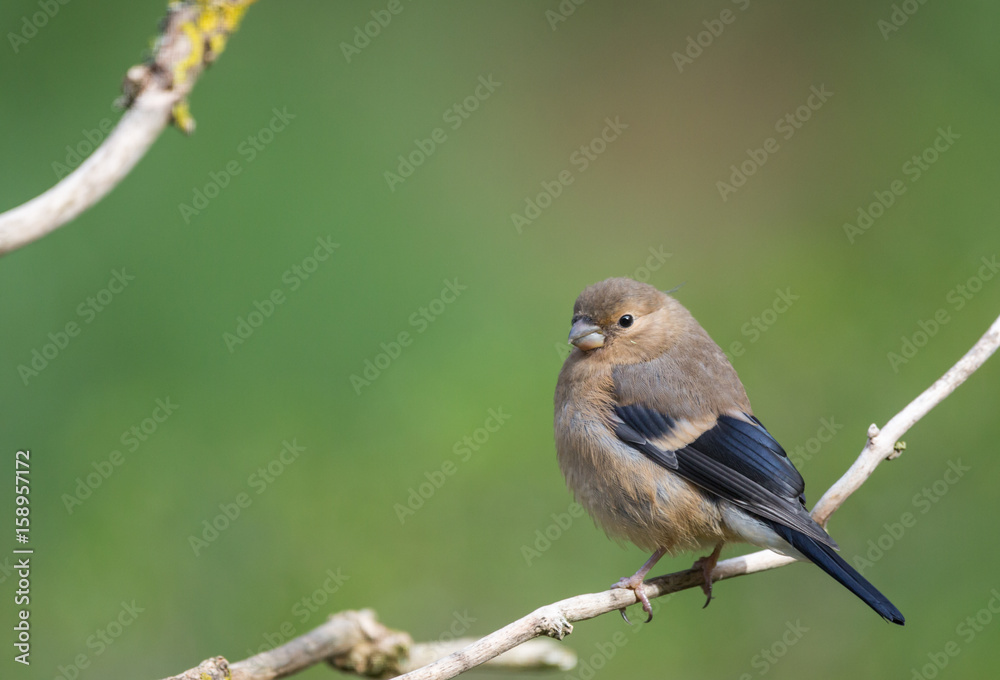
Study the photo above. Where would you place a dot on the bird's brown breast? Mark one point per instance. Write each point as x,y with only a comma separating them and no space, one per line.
629,496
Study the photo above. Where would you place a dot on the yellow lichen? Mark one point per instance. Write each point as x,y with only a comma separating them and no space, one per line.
207,31
182,117
194,57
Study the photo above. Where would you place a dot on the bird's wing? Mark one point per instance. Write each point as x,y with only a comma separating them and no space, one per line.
640,428
731,456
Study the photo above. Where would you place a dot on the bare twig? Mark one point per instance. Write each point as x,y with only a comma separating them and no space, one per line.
531,656
881,443
355,641
193,35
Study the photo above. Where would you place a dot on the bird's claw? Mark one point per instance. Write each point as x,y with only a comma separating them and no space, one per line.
706,572
635,585
707,589
707,566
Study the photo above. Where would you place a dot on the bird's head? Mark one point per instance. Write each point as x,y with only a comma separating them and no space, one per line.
626,321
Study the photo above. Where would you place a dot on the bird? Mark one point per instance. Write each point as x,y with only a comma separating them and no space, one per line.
657,441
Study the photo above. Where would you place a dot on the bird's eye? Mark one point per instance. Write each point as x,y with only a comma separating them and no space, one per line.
626,321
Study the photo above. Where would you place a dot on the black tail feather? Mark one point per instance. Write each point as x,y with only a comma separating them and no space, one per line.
829,561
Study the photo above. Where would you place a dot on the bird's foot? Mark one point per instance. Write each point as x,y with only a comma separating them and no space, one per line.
707,566
634,583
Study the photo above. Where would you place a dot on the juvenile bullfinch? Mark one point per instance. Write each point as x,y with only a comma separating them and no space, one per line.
657,440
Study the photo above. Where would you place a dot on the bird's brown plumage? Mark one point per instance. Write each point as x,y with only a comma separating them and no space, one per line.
657,440
632,497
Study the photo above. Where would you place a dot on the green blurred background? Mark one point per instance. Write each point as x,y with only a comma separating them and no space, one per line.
499,345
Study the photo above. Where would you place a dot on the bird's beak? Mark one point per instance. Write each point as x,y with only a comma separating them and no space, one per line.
585,335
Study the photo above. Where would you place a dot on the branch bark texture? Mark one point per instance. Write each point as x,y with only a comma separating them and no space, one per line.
355,641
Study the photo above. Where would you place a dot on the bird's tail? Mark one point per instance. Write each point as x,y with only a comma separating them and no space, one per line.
824,557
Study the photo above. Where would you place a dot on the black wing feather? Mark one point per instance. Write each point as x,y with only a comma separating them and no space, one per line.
735,460
750,449
639,438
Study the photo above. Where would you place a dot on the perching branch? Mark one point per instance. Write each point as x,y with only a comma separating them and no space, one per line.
355,641
193,35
